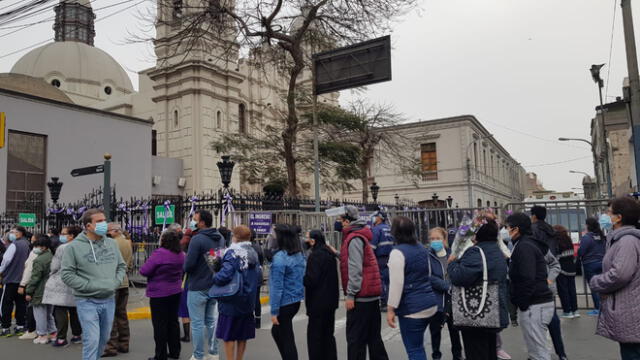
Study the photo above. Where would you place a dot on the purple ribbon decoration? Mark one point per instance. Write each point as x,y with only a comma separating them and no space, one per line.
56,211
227,208
145,218
167,209
193,200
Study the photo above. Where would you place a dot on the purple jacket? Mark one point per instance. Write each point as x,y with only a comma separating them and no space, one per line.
619,287
164,273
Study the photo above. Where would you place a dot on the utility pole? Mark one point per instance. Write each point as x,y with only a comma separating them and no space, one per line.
106,189
634,82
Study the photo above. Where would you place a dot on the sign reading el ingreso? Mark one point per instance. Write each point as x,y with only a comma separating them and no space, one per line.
260,222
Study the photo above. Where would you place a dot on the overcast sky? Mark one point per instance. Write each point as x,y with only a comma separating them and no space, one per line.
521,67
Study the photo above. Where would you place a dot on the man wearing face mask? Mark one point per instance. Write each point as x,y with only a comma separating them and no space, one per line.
93,268
11,270
382,244
202,308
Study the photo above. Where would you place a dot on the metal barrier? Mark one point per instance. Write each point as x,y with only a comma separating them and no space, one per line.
572,215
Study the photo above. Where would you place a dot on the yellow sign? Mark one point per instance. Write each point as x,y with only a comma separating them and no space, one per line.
3,125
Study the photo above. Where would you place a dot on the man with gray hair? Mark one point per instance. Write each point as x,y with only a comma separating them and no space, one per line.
362,286
119,341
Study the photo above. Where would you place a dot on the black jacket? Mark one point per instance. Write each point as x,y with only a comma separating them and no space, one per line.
528,272
321,281
545,233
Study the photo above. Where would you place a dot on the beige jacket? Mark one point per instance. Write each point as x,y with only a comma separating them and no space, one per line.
126,249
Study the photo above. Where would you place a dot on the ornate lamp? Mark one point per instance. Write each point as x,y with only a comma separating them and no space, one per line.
226,170
449,201
374,191
54,189
434,200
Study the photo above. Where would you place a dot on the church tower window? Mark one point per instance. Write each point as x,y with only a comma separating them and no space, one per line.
219,119
242,119
56,83
177,10
176,119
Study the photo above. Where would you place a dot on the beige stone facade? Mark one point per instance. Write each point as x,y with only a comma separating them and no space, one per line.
496,178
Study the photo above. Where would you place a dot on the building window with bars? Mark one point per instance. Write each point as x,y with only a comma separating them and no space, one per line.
429,160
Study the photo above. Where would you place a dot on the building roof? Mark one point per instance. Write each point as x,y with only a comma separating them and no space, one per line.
75,61
32,97
34,86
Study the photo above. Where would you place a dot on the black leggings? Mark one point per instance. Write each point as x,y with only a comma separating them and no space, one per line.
166,330
283,333
65,315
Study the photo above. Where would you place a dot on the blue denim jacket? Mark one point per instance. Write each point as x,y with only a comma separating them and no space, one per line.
285,280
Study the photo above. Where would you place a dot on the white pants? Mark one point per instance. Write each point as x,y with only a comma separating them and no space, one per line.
45,323
534,323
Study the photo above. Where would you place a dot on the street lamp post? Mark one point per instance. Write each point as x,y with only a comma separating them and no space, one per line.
434,200
54,189
595,164
595,74
469,188
397,198
226,170
374,192
449,201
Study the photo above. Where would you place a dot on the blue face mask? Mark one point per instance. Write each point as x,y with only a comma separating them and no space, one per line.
193,225
437,245
37,251
101,228
12,237
63,239
605,222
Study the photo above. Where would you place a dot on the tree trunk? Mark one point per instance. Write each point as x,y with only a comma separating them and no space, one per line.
289,135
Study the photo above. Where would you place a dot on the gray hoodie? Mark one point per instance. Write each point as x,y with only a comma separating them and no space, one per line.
93,269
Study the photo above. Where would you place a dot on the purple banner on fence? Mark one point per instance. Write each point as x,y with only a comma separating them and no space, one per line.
260,222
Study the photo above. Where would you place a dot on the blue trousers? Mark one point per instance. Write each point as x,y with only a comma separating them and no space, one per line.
590,270
204,315
96,319
412,332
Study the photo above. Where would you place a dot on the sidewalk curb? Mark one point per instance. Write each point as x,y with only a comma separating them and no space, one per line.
143,313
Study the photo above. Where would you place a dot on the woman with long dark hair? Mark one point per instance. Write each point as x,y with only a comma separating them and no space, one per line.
163,270
321,297
410,294
286,289
566,280
591,253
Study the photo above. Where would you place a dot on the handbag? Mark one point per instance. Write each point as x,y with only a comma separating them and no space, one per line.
477,306
230,290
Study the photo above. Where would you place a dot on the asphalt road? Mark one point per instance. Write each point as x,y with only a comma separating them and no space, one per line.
579,338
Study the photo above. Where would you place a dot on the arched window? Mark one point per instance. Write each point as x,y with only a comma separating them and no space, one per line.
176,119
479,203
219,119
242,119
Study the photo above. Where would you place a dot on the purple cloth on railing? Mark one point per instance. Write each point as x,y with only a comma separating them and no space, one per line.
164,273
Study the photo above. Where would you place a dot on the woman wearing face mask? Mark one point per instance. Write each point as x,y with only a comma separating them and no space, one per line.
619,283
43,314
11,269
30,332
321,297
439,252
59,295
591,253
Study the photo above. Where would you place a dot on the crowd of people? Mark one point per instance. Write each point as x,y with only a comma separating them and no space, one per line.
211,279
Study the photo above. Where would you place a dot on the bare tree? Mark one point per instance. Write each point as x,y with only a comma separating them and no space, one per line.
295,27
372,130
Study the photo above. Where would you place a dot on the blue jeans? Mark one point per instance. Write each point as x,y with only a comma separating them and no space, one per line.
412,332
203,313
96,319
630,351
590,270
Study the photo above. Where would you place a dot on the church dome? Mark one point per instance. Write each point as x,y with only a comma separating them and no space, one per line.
86,73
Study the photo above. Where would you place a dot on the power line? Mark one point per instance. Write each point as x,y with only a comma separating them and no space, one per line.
534,136
559,162
613,27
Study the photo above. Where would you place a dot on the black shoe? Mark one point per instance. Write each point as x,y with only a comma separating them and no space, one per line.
109,354
187,332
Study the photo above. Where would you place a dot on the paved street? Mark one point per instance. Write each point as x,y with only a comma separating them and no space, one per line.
580,341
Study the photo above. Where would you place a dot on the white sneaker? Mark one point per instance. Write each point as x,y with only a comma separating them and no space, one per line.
41,340
212,357
28,336
576,314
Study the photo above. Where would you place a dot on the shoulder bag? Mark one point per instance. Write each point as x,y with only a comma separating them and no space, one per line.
477,306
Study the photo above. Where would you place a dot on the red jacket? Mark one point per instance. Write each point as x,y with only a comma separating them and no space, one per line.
371,284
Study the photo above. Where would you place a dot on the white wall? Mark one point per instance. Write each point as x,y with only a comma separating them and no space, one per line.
78,137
